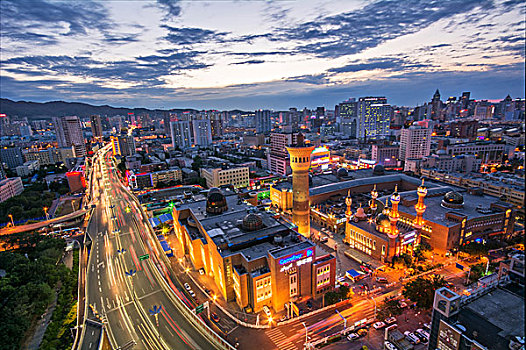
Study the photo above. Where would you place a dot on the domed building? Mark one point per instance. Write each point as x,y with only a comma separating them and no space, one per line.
378,170
453,200
252,222
216,201
342,172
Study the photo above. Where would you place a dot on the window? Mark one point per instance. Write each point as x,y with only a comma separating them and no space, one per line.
293,284
263,289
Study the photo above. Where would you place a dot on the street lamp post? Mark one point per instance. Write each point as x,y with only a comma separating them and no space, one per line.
374,300
306,336
12,222
45,211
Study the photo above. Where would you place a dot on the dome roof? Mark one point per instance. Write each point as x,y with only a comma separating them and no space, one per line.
382,220
215,201
360,213
342,172
252,222
453,199
378,169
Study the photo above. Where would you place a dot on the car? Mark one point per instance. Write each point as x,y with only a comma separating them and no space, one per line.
324,239
266,310
390,320
201,271
378,325
353,336
214,317
362,332
412,338
403,304
389,346
309,304
187,287
381,280
422,334
192,293
427,326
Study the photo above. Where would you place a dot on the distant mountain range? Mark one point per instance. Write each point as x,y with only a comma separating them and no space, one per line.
46,110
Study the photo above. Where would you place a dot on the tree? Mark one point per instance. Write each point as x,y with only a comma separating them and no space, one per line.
422,290
196,165
389,308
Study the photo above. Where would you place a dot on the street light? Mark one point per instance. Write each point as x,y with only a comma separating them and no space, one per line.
306,336
12,222
373,299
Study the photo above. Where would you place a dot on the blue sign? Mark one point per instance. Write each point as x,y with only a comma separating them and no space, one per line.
461,267
295,257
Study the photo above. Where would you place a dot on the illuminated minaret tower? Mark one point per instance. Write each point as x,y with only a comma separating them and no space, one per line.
393,218
374,195
300,164
348,202
420,208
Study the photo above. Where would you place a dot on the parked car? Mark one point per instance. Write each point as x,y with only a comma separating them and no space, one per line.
390,320
214,317
353,336
187,287
362,332
324,239
422,334
201,271
192,294
412,338
427,326
403,304
389,346
266,310
381,280
378,325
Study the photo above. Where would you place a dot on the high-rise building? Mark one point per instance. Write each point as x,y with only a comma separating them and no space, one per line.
11,156
374,116
68,131
385,154
263,123
202,132
96,126
278,157
181,133
348,117
464,100
10,187
216,124
436,107
300,164
237,177
491,317
415,142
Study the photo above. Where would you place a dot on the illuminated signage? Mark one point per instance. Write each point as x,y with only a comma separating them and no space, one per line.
295,257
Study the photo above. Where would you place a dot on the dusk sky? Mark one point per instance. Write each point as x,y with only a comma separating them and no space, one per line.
259,54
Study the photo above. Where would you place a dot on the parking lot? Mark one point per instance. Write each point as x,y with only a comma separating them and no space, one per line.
408,321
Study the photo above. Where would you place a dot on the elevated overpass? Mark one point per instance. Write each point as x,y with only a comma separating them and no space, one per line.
38,225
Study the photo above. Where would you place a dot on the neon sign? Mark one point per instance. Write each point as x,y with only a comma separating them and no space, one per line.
295,257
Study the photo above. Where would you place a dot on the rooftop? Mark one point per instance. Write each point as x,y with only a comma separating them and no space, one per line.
487,319
473,207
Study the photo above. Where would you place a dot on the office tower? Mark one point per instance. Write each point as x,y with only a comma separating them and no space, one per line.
181,133
436,107
415,142
464,100
263,124
484,110
300,164
68,131
278,159
374,116
348,117
96,126
202,132
11,156
216,124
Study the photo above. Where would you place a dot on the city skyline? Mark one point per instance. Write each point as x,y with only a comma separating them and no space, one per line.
251,55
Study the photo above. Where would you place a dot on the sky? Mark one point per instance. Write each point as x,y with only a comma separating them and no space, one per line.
252,54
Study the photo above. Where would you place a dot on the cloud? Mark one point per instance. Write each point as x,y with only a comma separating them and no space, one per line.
354,31
27,20
190,36
250,62
141,71
171,7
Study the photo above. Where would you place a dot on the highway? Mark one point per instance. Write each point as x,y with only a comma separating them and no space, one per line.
131,296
